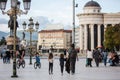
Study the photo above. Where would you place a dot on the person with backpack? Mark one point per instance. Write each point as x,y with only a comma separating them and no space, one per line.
72,57
97,57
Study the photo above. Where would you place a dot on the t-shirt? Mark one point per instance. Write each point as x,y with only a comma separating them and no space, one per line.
50,60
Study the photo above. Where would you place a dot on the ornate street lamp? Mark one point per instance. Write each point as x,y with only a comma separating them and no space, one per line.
31,29
13,12
3,4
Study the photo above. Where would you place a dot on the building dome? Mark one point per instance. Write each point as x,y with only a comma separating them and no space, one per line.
92,7
92,4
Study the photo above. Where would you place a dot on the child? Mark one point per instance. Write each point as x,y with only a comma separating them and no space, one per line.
62,63
37,58
50,59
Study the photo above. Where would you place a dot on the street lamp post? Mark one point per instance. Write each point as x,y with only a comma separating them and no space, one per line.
73,31
30,29
43,46
14,11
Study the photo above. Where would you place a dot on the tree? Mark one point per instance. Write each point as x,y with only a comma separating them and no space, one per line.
3,41
112,37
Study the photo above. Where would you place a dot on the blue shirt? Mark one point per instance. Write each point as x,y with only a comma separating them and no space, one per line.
37,59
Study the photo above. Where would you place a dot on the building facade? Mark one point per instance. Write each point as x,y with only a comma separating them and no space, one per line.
58,39
92,23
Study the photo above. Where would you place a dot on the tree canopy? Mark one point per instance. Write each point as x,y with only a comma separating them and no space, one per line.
3,41
112,37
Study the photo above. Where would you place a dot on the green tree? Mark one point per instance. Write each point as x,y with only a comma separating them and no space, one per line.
116,36
3,41
112,37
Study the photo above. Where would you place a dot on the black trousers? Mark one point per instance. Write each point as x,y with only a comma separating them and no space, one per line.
62,68
90,62
97,60
50,68
72,65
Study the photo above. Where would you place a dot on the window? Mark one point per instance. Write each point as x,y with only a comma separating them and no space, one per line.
98,10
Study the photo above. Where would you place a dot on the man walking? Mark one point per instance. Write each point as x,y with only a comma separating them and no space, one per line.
97,56
72,56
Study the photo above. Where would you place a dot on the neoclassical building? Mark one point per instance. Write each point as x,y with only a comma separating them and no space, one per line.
54,35
92,23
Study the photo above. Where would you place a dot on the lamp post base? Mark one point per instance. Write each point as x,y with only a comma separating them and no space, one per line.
14,76
30,60
30,63
14,69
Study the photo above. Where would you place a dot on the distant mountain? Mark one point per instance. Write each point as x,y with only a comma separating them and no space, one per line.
27,35
20,35
3,34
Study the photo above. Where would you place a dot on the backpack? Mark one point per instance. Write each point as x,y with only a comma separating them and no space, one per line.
73,54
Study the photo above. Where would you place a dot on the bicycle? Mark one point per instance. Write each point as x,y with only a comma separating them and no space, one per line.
37,64
20,63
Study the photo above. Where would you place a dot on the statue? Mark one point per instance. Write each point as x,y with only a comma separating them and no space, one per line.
11,25
23,36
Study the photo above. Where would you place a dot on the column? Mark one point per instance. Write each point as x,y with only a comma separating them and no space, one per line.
81,37
85,37
92,36
99,35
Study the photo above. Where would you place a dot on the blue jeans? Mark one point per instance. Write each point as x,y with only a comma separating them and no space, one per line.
105,61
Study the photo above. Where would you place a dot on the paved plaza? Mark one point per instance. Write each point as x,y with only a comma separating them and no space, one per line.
82,72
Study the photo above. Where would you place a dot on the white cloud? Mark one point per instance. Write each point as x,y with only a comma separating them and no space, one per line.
58,11
4,27
57,16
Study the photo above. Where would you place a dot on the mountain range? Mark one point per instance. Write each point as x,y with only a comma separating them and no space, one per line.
20,35
3,34
43,21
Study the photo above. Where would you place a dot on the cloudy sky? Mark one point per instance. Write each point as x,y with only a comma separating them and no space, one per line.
56,11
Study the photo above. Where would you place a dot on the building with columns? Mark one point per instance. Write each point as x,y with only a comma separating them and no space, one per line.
92,23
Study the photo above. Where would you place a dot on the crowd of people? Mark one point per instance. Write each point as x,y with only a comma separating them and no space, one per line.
7,55
68,59
100,56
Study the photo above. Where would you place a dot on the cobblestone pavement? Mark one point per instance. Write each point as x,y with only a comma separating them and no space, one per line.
82,72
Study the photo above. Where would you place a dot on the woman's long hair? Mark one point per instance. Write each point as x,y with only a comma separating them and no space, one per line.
50,55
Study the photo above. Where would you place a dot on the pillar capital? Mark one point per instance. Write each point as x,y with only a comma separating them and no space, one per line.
91,24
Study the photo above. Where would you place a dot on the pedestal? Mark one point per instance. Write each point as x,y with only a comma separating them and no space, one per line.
10,42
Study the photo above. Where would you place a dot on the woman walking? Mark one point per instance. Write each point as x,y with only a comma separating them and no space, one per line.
89,58
62,63
50,59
